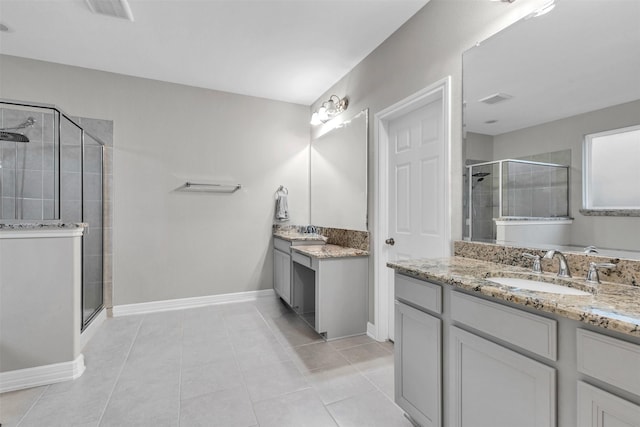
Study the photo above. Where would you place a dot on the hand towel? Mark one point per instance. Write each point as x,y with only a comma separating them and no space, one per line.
282,206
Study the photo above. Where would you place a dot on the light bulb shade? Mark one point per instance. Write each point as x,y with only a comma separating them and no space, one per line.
315,119
330,107
323,115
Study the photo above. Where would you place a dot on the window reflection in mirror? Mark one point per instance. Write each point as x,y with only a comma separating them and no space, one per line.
612,169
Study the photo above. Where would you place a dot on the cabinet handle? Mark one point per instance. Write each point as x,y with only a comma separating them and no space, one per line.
390,241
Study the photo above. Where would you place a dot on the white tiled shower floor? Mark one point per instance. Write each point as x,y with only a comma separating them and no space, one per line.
245,364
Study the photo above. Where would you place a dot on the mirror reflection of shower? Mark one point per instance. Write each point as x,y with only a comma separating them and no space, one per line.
18,162
480,176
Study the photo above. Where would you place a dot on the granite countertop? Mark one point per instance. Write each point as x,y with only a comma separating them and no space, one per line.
42,226
293,235
615,306
329,251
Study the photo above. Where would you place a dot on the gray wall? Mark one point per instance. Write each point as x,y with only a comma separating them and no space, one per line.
423,51
173,245
568,134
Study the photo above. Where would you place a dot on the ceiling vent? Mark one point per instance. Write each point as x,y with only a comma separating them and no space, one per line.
113,8
495,98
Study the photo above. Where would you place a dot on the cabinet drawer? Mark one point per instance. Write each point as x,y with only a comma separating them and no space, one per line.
301,259
418,293
528,331
609,360
281,245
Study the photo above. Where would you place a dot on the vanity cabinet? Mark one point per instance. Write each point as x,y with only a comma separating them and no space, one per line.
464,360
282,263
607,359
330,293
418,350
493,386
282,274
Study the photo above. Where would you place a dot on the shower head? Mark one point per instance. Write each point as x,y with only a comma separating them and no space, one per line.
13,137
17,137
481,174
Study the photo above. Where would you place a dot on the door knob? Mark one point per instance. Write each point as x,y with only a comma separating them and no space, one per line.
390,241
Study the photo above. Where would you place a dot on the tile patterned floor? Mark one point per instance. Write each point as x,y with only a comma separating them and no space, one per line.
233,365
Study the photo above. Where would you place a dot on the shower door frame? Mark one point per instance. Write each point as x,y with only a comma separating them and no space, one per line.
59,114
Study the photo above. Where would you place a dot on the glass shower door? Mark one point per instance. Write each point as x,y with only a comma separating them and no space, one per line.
92,289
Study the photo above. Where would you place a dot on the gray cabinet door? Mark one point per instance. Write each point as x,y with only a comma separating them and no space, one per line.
495,387
418,350
597,408
282,275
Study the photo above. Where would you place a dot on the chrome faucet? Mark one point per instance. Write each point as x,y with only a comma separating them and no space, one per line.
563,269
592,275
535,267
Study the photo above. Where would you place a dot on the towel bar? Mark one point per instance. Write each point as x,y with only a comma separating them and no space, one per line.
210,188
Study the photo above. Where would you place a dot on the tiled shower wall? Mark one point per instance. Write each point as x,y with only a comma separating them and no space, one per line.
28,168
537,191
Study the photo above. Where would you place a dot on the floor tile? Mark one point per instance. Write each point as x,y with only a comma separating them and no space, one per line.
15,404
143,409
372,409
382,377
67,409
302,408
317,355
338,383
274,380
345,343
204,379
368,356
203,352
225,408
227,365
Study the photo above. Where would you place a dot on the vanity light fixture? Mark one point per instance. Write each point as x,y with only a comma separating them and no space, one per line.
329,109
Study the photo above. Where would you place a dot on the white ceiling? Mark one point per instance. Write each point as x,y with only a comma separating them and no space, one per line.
291,50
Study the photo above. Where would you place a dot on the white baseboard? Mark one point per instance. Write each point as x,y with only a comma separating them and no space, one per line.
182,303
93,327
41,375
372,331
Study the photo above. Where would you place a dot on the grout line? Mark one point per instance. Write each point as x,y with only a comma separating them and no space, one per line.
181,367
32,406
115,383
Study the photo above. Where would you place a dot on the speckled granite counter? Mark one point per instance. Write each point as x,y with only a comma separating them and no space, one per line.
43,226
294,236
615,307
329,251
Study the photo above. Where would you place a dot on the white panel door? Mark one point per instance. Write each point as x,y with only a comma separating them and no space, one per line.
416,188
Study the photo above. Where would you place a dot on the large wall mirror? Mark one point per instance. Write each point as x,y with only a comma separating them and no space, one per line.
339,175
532,93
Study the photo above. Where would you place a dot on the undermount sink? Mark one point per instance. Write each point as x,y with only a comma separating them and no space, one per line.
534,285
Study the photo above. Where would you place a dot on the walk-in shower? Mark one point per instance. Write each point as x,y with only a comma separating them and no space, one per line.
51,172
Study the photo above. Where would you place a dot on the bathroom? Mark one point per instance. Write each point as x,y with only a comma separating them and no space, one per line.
171,245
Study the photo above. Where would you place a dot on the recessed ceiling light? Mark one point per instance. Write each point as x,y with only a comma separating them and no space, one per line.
114,8
495,98
4,28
